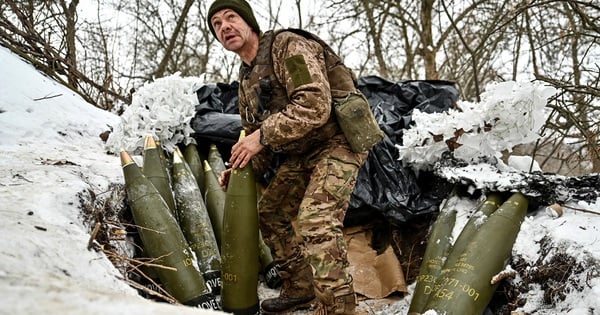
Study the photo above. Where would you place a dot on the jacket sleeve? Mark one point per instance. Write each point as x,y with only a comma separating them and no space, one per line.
299,65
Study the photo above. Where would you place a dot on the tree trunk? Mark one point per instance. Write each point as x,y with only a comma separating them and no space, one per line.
162,67
428,51
374,32
70,12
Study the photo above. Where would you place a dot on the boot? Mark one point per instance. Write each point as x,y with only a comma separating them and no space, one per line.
343,302
297,292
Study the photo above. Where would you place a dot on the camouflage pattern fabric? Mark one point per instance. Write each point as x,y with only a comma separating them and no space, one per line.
315,190
299,115
312,188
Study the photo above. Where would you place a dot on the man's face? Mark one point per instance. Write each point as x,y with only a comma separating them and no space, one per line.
232,30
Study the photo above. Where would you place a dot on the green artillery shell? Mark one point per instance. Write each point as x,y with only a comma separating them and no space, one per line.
195,222
215,201
155,171
215,160
269,266
166,163
192,158
239,248
466,287
163,240
480,216
438,246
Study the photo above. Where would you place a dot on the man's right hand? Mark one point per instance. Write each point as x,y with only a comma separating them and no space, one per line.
243,151
224,178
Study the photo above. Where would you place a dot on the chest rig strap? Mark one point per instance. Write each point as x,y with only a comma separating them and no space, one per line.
259,80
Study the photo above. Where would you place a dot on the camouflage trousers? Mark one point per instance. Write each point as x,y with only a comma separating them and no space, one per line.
303,208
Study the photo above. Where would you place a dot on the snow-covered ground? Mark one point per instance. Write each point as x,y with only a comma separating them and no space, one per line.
51,152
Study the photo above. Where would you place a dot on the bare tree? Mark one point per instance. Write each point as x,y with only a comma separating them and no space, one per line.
172,41
562,54
476,42
375,31
471,42
44,33
70,13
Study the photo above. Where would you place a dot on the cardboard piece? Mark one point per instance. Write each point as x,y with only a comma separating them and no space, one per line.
374,276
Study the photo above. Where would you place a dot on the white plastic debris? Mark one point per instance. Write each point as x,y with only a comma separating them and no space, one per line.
509,113
162,108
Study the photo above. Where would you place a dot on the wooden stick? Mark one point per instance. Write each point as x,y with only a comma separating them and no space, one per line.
582,210
149,291
503,275
93,235
164,292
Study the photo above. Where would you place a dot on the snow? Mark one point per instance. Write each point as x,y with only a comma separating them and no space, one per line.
509,112
523,163
51,152
575,232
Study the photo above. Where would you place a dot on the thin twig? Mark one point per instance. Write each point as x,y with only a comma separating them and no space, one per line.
47,97
135,264
136,226
582,210
149,291
164,292
93,235
139,262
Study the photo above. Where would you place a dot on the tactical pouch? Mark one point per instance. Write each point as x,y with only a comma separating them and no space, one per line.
357,121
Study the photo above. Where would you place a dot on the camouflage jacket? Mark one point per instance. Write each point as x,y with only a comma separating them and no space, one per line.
286,93
297,115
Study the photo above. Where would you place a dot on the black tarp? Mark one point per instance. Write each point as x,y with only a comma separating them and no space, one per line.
384,184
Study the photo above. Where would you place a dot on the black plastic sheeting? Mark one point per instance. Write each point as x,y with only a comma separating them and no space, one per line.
384,186
217,117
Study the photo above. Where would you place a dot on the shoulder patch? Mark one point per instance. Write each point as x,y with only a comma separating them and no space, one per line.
298,69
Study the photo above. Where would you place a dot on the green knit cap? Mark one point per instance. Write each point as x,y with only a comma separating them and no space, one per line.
241,7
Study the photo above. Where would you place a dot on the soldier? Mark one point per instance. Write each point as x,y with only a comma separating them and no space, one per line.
285,102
